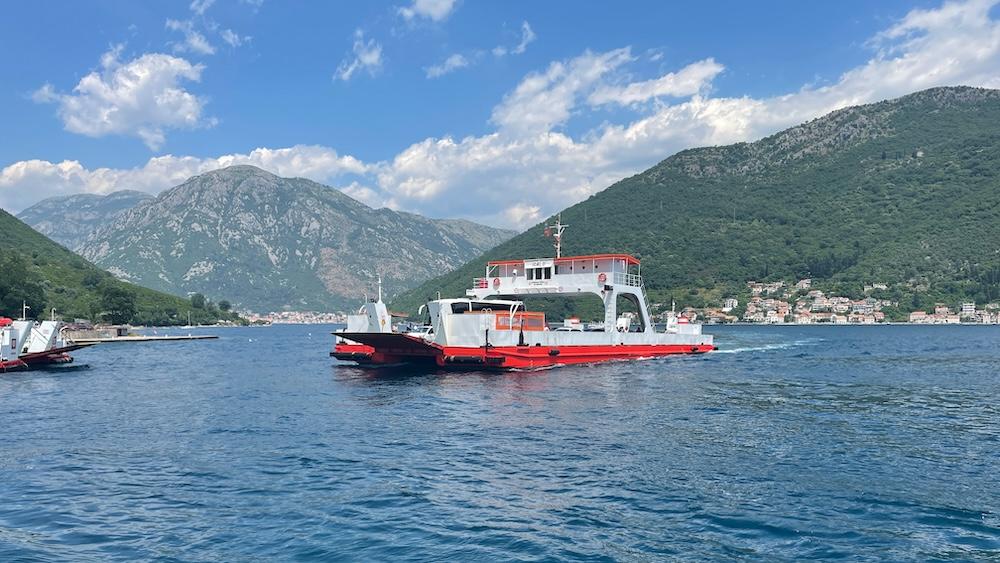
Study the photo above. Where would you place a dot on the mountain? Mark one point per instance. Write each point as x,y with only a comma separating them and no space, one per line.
69,219
904,192
45,275
272,243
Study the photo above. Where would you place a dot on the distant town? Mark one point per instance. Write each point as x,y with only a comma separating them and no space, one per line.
780,303
295,318
768,303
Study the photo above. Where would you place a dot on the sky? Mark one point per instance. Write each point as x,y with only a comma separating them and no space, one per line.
498,112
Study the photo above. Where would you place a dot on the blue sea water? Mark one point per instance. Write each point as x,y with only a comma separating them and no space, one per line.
790,443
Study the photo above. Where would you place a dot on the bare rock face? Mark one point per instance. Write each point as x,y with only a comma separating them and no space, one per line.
268,243
69,219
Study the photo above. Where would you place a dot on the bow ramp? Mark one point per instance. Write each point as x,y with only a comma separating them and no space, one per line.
384,347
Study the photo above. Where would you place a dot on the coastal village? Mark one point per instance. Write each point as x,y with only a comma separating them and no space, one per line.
296,317
780,303
768,303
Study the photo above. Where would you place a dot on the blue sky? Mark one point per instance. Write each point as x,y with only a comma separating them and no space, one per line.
543,102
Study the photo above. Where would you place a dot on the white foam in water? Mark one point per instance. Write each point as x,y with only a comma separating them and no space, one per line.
767,347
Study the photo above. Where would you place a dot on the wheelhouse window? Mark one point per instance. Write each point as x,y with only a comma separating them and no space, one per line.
484,307
535,274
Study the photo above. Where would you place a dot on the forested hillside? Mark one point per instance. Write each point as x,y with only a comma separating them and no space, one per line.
44,275
904,192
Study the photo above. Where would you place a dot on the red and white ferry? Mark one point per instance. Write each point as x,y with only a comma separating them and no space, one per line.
28,344
490,327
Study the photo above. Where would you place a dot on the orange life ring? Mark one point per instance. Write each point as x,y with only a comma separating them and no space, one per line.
496,283
601,278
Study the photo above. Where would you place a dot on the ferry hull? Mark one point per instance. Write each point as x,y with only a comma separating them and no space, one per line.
383,349
12,365
52,356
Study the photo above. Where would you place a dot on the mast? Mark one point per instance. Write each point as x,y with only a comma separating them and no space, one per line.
24,310
380,288
556,231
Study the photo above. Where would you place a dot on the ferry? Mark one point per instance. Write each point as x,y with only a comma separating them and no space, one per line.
28,344
490,327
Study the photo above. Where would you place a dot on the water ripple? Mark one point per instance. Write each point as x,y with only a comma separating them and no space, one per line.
867,443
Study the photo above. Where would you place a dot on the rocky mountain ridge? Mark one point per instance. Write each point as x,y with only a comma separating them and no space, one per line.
270,243
68,220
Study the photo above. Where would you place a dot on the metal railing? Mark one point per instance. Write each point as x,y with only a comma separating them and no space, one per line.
633,280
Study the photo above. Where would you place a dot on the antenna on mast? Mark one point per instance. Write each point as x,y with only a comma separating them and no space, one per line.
556,231
379,288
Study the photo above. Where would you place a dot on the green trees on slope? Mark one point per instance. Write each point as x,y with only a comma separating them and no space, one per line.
905,192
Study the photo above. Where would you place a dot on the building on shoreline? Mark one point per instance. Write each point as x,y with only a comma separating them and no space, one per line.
296,317
801,304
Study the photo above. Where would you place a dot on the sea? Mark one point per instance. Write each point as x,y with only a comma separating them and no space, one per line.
873,443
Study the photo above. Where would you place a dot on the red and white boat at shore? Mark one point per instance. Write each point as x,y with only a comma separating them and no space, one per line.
28,344
490,327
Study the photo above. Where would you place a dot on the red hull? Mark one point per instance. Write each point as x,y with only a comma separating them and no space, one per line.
408,349
52,356
12,365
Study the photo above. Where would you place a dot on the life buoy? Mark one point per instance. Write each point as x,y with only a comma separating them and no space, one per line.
496,283
601,278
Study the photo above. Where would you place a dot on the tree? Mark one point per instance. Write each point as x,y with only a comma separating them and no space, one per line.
117,302
198,301
92,279
19,285
225,306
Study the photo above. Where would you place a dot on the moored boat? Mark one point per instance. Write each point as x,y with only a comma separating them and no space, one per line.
491,328
28,344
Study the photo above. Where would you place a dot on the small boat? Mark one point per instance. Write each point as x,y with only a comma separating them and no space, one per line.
28,344
491,328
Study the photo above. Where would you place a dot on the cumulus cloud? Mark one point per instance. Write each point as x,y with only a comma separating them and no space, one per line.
25,182
435,10
523,214
530,166
688,81
451,64
527,36
367,55
143,97
544,100
194,41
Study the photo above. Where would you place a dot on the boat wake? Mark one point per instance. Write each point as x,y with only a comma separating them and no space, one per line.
768,347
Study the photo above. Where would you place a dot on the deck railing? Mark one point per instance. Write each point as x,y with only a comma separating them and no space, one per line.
633,280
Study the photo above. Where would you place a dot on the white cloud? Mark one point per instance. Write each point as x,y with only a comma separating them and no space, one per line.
523,214
364,194
688,81
367,55
24,183
435,10
143,98
201,6
451,64
234,39
528,162
527,36
194,41
544,100
530,167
